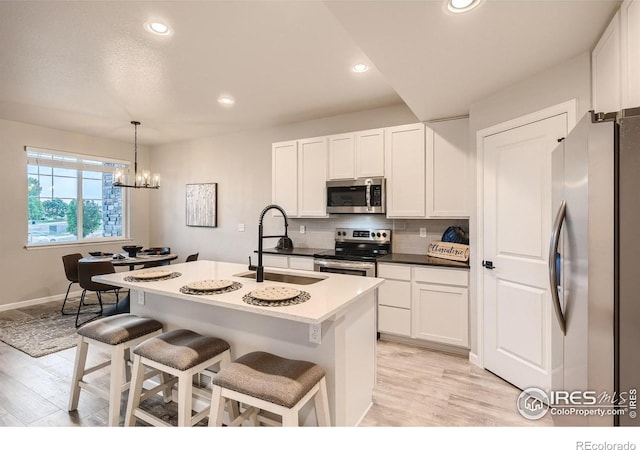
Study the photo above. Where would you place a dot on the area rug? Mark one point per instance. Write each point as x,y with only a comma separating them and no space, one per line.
39,330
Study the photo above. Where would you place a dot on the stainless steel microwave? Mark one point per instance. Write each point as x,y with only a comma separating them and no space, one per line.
360,196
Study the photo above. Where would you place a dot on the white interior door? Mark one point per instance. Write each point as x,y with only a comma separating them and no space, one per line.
517,225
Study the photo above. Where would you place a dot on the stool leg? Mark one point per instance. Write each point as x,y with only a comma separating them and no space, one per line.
185,393
217,406
78,373
321,402
290,418
127,365
135,391
115,385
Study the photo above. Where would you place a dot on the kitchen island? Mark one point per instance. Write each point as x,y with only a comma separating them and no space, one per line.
334,328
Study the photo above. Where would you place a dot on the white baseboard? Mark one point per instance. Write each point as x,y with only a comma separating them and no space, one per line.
38,301
474,359
452,349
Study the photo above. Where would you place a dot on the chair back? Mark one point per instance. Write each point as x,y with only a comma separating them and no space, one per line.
86,270
70,263
193,257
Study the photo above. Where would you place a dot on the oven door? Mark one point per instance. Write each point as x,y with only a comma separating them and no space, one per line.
358,268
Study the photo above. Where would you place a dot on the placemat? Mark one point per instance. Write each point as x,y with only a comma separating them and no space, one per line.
234,287
142,280
303,297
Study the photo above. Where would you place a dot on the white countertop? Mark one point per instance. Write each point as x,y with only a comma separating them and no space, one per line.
329,297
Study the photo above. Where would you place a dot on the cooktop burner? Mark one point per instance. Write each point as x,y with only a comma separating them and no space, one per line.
358,245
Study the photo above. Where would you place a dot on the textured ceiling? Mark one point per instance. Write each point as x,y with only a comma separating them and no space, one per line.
90,67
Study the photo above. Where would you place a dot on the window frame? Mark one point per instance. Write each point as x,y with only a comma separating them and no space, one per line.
80,162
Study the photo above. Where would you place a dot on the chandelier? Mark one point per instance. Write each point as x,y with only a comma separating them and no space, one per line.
142,180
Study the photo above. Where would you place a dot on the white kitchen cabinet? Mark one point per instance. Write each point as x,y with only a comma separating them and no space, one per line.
298,178
440,305
284,176
312,177
356,155
606,69
630,53
405,170
394,300
448,170
424,303
287,262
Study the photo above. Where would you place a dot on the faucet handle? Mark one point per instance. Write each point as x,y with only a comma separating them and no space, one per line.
251,266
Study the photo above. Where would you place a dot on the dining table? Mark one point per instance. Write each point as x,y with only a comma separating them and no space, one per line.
124,260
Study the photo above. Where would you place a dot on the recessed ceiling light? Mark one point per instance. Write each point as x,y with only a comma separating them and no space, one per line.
226,100
359,68
460,6
157,28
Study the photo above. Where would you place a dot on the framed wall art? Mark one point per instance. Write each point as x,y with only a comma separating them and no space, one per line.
202,204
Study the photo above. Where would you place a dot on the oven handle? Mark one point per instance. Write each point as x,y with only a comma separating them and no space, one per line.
343,264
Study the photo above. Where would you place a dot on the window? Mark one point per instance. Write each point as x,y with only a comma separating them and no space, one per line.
71,198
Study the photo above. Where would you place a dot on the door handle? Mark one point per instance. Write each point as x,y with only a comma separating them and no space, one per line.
488,265
553,265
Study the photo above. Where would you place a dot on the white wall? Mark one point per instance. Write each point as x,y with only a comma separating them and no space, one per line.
241,165
569,80
27,274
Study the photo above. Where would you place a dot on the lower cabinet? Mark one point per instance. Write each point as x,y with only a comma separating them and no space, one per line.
287,262
424,303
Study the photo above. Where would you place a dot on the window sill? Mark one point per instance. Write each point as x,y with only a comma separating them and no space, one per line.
92,242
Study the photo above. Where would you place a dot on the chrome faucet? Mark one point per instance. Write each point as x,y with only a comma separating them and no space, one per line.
259,267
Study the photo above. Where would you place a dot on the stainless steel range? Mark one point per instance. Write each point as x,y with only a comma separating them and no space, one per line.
355,252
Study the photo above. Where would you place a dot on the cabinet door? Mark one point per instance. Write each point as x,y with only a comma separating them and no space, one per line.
394,320
275,261
312,177
395,293
606,70
301,263
448,169
341,156
284,176
405,170
440,314
369,153
630,52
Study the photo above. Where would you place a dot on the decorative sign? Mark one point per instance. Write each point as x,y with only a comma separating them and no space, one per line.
202,205
449,250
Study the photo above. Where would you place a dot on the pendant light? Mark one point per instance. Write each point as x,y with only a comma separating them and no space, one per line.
143,180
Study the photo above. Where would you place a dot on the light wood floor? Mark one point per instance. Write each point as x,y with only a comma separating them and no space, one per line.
416,387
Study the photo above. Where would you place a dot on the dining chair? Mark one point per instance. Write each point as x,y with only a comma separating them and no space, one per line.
193,257
158,251
86,270
70,263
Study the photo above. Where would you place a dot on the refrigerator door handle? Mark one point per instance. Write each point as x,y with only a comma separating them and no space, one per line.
553,265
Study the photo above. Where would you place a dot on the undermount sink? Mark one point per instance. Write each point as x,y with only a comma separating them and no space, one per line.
281,277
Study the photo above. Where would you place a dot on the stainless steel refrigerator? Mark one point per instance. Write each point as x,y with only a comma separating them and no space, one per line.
594,266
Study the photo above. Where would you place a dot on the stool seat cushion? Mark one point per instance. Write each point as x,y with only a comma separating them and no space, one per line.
120,328
181,349
269,377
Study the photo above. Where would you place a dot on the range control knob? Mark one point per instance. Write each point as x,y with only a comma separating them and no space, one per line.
384,234
378,234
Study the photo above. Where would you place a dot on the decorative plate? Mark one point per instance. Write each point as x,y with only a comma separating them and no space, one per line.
275,293
151,275
209,285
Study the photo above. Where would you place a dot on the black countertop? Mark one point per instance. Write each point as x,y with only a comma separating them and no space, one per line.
424,260
295,252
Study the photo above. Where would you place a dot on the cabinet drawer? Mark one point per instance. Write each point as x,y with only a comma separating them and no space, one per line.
395,293
394,271
440,275
394,320
300,263
274,261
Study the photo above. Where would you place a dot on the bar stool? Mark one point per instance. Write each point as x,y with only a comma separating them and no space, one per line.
116,335
183,354
264,381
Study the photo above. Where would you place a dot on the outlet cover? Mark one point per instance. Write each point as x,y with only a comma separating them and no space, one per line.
303,229
423,232
240,227
140,297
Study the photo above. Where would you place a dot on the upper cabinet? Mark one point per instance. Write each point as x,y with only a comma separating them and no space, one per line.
426,169
356,155
284,176
448,168
615,62
298,178
405,170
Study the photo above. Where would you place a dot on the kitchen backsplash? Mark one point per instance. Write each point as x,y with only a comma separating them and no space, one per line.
319,233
